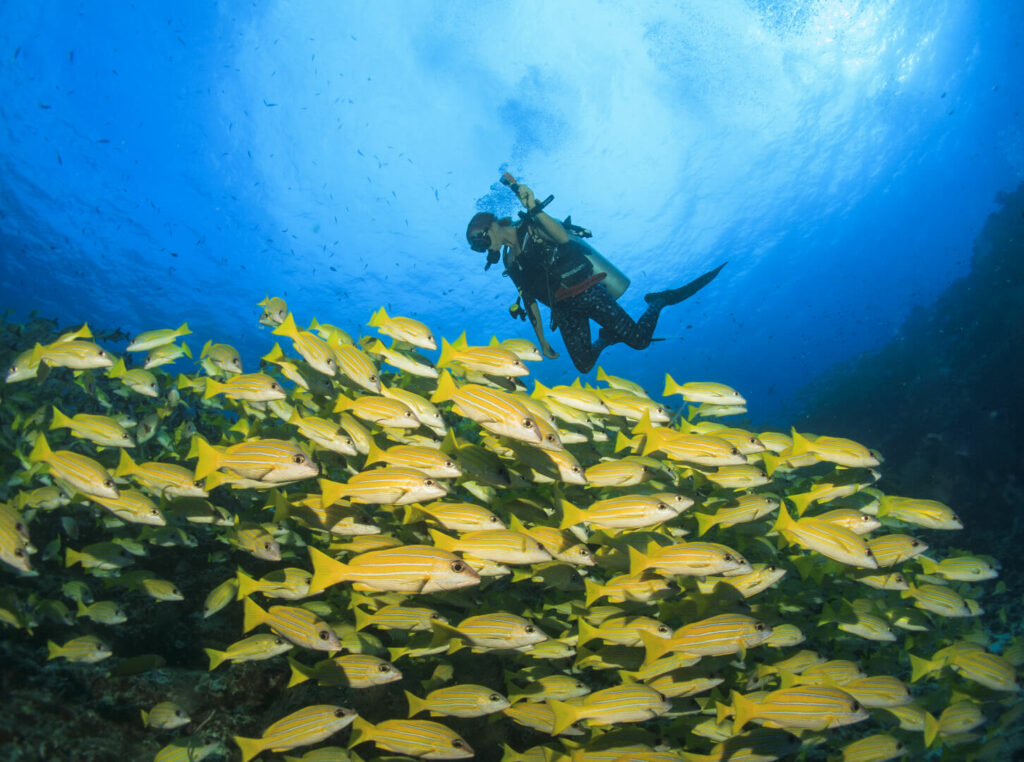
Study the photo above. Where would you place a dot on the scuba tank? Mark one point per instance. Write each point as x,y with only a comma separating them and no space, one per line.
615,281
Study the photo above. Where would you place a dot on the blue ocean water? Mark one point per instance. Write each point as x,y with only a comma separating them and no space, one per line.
163,163
173,162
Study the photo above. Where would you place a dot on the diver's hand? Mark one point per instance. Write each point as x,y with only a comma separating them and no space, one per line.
526,197
549,352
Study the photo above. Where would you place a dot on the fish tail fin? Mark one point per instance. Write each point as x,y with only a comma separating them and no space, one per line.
246,585
539,390
377,318
361,731
564,715
252,614
928,565
416,704
771,462
593,591
638,561
671,386
287,328
41,450
363,618
60,420
654,647
274,355
446,387
443,541
326,571
653,440
331,492
209,458
183,330
125,464
704,522
446,354
587,632
186,350
920,667
783,521
213,388
118,369
931,729
743,711
342,403
800,502
52,650
216,657
300,672
622,442
571,515
801,444
374,455
206,349
250,747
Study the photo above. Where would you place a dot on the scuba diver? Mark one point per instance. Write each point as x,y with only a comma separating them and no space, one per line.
550,263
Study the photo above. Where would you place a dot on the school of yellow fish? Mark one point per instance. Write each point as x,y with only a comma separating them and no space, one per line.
619,580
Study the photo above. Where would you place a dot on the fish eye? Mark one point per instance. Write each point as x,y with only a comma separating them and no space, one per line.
19,552
175,591
298,458
178,713
198,483
275,386
449,464
385,667
870,554
494,697
458,567
339,712
734,451
278,641
458,744
663,507
428,482
101,353
330,362
662,628
266,546
322,634
527,423
529,629
727,557
759,626
855,706
108,483
493,519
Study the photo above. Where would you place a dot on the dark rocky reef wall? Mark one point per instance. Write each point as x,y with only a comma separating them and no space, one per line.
944,401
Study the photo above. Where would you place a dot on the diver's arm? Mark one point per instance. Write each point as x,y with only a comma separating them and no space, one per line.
533,312
547,223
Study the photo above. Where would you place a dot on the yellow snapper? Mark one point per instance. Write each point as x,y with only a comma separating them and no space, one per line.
403,329
493,409
844,452
485,359
463,700
311,347
257,647
148,340
407,568
703,391
419,738
304,727
348,670
806,707
298,625
265,460
100,429
252,387
830,540
86,649
390,485
80,471
139,380
77,355
610,706
166,354
165,716
275,309
223,357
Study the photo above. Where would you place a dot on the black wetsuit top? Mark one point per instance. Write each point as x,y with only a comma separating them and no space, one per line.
543,266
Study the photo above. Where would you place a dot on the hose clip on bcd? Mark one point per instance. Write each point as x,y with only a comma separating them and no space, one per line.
516,310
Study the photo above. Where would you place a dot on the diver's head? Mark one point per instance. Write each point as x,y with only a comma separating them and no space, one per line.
483,235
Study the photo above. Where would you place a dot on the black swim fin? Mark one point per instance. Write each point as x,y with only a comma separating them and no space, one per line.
676,295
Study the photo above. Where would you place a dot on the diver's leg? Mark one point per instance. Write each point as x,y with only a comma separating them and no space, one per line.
616,324
575,329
